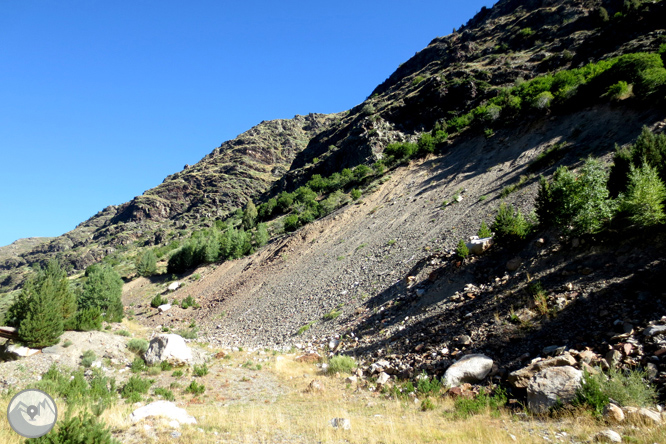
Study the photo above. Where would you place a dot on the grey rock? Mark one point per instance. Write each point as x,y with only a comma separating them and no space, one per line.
521,378
471,368
173,286
164,307
171,348
613,414
642,415
383,378
551,386
341,423
655,330
608,436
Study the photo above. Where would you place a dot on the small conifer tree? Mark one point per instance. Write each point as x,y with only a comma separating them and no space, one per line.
147,264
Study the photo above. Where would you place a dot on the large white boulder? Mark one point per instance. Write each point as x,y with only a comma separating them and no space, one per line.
173,286
163,409
552,386
171,348
470,368
14,351
478,246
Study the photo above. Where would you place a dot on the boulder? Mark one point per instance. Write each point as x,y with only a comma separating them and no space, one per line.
514,264
171,348
163,308
642,415
383,378
309,357
521,378
163,409
14,351
552,386
470,368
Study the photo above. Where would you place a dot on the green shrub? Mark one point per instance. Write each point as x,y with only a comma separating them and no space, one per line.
138,365
250,216
165,366
644,199
543,100
195,388
191,333
139,346
157,301
285,201
510,224
341,364
466,407
526,32
428,386
261,235
84,428
618,90
75,389
427,405
123,333
177,374
333,314
291,223
165,394
576,204
88,358
355,194
457,124
188,302
200,370
147,264
649,148
461,250
484,231
400,151
135,387
629,387
425,145
650,82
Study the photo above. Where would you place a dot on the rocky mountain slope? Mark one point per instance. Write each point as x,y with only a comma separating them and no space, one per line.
379,273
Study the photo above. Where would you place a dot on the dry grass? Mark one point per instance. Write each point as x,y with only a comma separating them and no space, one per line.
301,417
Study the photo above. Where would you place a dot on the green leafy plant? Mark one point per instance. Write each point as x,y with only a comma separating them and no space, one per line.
644,199
195,388
157,301
177,373
466,407
165,393
625,387
146,265
123,333
333,314
484,231
200,370
138,365
341,364
84,428
136,345
88,358
355,194
510,223
135,387
428,386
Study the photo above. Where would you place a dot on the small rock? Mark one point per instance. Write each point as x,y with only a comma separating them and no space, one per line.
351,380
163,408
613,414
341,423
315,386
383,378
173,286
514,264
608,436
163,308
310,358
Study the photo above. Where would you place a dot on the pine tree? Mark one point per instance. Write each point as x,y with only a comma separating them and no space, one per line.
102,290
45,307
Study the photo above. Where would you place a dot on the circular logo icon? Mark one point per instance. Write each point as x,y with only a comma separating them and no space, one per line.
32,413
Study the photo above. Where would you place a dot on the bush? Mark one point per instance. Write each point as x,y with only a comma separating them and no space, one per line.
457,124
624,387
44,307
135,387
510,224
341,364
466,407
200,370
261,235
425,145
285,201
165,393
195,388
400,151
542,101
84,428
576,204
102,289
650,82
355,194
88,358
157,301
138,346
291,223
138,365
250,216
75,389
644,199
618,90
188,302
266,209
428,385
461,250
147,264
649,148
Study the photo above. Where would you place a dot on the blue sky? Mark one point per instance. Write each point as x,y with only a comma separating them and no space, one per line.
103,99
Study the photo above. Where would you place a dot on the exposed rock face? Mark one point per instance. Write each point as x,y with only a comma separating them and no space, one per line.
552,385
470,368
171,348
163,409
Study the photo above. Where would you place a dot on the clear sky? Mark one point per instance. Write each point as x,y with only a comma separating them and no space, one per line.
101,100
